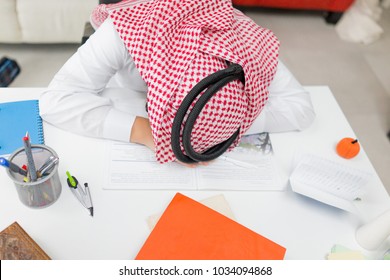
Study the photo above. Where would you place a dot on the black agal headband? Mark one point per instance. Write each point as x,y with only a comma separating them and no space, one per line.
210,85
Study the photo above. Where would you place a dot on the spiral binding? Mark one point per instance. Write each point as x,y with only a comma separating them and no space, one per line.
41,136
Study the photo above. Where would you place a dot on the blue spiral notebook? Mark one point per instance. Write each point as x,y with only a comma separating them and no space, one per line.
17,118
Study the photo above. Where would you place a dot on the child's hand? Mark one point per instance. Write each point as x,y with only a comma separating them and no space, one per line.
141,133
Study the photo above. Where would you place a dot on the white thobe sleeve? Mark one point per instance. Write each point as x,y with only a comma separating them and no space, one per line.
288,107
73,101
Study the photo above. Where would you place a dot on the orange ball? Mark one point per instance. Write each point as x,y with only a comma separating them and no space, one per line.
348,148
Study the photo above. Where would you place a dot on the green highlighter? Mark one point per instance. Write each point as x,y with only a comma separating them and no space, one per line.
82,195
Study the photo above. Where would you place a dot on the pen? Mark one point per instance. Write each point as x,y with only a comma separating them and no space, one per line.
47,166
30,160
12,166
238,162
89,199
84,197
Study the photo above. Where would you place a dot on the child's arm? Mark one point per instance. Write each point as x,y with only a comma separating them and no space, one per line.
141,133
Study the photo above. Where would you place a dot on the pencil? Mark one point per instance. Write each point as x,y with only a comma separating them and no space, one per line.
30,160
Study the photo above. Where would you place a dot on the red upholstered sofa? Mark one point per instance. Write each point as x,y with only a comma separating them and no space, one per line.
333,8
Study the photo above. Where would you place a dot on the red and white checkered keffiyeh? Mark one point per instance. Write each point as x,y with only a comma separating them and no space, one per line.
177,43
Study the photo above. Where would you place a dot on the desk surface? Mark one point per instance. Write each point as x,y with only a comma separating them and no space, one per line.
307,228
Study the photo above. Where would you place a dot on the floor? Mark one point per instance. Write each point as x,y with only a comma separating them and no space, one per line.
357,74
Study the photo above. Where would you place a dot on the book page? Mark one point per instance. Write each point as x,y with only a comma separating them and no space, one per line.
330,182
222,175
132,166
254,150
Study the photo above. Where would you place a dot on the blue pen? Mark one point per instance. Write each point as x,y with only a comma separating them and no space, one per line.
12,166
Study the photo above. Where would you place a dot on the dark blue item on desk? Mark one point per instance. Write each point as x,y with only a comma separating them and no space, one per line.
9,69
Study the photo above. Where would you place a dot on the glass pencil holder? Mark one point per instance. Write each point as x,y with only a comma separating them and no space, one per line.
47,188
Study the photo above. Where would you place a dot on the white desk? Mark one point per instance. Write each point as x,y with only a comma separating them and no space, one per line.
308,229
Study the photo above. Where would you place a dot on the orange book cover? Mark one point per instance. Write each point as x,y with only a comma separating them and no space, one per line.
188,230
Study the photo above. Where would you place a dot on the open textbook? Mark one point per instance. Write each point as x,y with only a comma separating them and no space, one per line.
330,182
250,166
